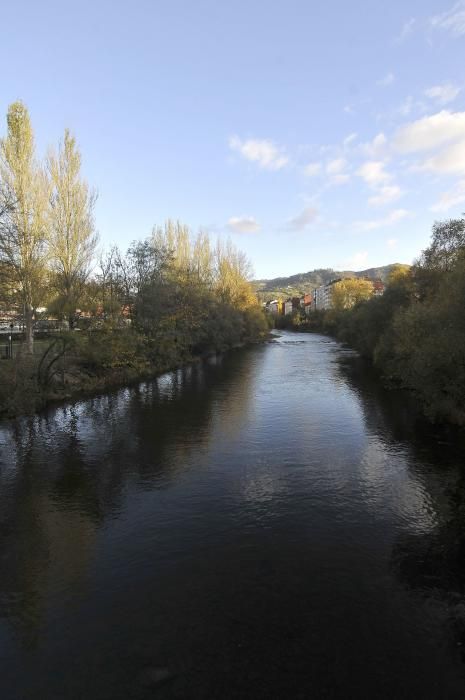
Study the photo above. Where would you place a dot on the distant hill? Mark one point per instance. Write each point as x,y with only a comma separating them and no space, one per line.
303,282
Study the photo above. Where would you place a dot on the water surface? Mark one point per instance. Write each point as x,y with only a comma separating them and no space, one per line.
230,530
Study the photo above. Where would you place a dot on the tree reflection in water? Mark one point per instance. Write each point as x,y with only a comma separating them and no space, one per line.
66,471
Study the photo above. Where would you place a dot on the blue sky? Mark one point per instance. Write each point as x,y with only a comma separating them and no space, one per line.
327,134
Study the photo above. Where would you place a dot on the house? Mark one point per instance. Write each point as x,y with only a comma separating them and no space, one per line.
378,288
305,303
288,307
273,306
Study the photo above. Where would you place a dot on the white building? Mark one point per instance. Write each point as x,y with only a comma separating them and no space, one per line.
323,296
273,306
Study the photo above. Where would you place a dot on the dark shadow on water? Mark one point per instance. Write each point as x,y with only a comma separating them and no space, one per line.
433,562
66,471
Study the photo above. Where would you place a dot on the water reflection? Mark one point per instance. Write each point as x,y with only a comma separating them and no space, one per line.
246,522
428,555
64,472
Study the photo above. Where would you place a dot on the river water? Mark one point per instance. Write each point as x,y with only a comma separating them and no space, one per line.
248,527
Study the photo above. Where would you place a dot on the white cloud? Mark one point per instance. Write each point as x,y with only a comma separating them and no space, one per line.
450,199
376,177
391,243
356,260
373,173
261,151
387,80
312,169
385,195
444,129
374,148
453,20
340,178
392,218
348,109
408,106
336,169
336,166
349,139
243,224
430,132
443,94
406,30
303,220
448,161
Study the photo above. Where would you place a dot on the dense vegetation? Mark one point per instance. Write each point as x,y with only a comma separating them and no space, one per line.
169,298
415,332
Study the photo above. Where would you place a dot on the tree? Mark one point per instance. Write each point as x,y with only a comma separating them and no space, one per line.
398,273
448,240
144,263
107,281
233,273
24,193
193,297
348,292
72,236
447,245
203,257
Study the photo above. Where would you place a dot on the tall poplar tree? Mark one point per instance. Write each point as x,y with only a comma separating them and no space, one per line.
72,236
23,249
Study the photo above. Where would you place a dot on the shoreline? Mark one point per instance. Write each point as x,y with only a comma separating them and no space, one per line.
444,421
93,385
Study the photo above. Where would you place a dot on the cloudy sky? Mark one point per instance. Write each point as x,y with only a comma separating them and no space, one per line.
314,134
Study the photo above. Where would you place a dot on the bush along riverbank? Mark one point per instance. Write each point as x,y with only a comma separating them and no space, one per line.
74,363
415,333
169,299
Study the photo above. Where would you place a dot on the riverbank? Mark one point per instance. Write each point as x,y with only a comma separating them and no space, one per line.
24,389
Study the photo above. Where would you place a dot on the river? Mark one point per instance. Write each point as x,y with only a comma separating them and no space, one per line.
252,526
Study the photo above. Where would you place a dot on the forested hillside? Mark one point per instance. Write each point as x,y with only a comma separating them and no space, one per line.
303,282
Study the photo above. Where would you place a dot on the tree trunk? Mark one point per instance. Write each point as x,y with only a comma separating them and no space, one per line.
29,330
